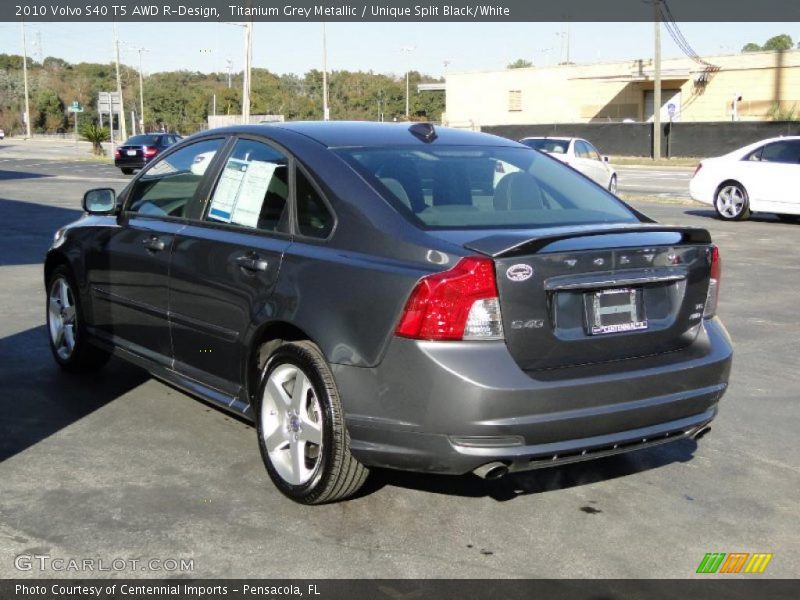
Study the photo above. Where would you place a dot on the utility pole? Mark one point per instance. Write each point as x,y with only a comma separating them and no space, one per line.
248,58
122,129
25,79
141,90
657,82
407,50
326,113
230,67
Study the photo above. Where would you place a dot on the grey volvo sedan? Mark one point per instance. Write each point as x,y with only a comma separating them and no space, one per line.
373,295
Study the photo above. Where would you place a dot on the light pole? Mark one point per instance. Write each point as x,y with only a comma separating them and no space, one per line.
123,130
657,82
25,79
141,90
326,112
248,63
407,50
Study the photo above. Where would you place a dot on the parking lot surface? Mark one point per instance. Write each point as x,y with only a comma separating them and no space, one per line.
118,465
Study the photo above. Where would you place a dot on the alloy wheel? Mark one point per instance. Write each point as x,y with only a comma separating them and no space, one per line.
291,424
63,320
730,201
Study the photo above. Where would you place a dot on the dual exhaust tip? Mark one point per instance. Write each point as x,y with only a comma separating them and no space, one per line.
495,470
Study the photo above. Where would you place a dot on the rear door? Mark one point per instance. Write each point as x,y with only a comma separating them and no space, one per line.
129,265
588,162
225,264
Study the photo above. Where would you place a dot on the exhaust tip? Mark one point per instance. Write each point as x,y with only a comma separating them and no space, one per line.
701,433
491,471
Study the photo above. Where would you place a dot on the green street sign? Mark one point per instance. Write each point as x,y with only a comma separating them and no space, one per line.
75,107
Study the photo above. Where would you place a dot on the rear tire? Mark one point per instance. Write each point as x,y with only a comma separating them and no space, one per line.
301,431
612,184
66,325
126,171
732,202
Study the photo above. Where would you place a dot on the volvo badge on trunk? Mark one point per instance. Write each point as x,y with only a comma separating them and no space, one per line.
519,272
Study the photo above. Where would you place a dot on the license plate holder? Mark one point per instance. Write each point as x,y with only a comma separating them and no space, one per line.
617,310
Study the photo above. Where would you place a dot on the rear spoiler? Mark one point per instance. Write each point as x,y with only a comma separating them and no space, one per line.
630,234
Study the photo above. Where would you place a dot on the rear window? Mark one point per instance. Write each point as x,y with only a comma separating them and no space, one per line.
484,187
143,140
551,146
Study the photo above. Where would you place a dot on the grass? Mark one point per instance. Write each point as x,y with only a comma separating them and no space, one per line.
651,198
680,161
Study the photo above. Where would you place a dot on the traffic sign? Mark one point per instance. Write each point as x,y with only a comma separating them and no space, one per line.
75,107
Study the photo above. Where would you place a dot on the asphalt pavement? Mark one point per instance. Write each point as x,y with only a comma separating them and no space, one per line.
118,465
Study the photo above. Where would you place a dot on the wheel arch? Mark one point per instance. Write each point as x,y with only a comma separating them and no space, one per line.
730,181
54,259
263,342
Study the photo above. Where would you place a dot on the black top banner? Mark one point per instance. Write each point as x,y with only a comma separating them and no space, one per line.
397,10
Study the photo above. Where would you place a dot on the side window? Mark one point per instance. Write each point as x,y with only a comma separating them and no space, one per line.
781,152
168,186
755,155
253,189
313,217
581,150
593,153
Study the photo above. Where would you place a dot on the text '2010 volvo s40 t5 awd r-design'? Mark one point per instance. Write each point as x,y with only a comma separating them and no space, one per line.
371,295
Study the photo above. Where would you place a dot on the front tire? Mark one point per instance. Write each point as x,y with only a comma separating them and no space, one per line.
612,184
301,430
732,202
66,325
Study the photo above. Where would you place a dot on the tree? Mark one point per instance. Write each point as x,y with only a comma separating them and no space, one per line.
520,63
96,135
779,42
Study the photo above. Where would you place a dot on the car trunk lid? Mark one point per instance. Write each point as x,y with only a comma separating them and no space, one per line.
597,293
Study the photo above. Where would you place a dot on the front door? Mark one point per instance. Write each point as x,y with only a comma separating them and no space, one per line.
129,266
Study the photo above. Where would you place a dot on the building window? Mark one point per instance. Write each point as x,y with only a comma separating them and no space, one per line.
514,100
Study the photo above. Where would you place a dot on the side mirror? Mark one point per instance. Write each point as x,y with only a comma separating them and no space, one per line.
100,201
605,159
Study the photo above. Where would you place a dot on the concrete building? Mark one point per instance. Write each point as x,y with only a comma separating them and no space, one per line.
768,83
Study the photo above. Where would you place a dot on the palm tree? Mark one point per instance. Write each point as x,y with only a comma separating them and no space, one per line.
97,135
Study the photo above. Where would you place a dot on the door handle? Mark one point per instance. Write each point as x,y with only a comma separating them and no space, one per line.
252,263
154,243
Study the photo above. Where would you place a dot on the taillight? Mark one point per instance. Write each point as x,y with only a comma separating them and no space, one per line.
459,304
713,284
697,169
150,152
117,153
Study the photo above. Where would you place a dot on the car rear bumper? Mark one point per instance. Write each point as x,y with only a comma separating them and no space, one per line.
452,407
133,162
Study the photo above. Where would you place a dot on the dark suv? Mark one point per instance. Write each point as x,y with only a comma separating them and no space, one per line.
139,150
368,297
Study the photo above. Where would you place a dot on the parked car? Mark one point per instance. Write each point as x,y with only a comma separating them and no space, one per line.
760,177
578,154
139,150
2,134
350,288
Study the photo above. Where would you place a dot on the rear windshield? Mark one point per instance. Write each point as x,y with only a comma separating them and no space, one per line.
143,140
549,145
484,187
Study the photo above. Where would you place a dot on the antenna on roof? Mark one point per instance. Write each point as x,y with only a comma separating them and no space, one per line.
424,131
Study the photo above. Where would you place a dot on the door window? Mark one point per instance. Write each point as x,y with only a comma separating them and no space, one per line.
253,188
593,153
168,186
313,217
582,150
782,152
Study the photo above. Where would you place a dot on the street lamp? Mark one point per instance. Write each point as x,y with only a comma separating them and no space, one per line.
407,50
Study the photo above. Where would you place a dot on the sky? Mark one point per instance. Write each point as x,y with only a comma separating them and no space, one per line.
436,48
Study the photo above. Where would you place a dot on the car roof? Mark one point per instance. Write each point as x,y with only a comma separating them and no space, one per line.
550,137
369,133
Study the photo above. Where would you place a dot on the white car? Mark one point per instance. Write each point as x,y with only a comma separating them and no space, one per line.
578,154
761,177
